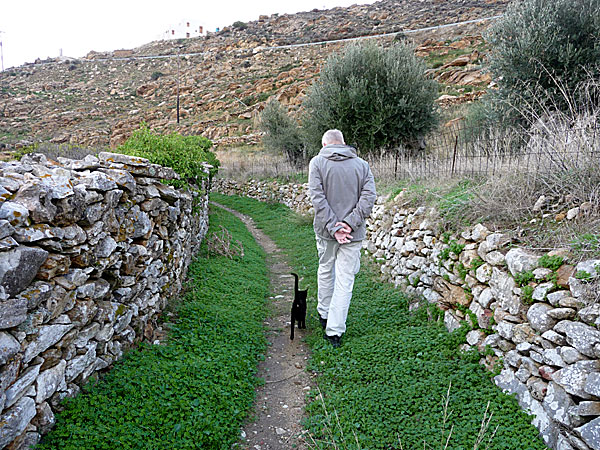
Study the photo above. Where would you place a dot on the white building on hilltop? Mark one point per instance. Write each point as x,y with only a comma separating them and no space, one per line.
184,29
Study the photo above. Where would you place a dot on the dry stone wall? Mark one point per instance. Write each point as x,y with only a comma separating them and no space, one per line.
543,336
90,251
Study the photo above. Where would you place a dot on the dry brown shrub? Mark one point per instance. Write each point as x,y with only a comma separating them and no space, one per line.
221,243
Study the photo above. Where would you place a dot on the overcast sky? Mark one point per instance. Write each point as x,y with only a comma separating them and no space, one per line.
41,28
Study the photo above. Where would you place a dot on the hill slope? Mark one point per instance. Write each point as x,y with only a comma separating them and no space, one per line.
223,78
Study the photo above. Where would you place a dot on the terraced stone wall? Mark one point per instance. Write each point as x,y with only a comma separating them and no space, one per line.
90,252
538,326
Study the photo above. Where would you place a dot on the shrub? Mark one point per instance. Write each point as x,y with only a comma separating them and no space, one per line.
186,155
239,25
282,133
156,75
55,151
378,97
542,52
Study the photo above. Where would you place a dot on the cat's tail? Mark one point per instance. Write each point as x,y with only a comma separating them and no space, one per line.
295,281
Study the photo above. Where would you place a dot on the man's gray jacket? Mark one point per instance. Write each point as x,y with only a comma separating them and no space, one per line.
342,189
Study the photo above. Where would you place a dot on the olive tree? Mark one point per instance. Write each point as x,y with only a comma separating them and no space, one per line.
378,97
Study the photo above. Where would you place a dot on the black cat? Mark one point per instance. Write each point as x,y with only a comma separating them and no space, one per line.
298,307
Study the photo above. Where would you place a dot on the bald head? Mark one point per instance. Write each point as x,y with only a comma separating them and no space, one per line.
332,137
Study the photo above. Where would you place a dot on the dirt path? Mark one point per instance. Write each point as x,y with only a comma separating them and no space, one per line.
279,408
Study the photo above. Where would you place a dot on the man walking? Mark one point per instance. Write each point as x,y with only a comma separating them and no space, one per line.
342,191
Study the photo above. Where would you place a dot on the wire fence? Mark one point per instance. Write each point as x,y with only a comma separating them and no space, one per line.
462,152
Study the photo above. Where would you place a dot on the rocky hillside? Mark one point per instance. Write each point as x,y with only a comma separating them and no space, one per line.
224,79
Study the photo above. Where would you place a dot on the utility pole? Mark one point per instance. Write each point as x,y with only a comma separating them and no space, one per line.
178,84
1,51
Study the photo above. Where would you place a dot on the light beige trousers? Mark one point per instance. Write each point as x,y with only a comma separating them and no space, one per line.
338,264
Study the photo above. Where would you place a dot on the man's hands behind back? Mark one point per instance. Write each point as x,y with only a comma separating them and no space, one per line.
343,235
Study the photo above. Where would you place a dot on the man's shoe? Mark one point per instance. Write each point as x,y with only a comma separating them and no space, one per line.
333,340
323,322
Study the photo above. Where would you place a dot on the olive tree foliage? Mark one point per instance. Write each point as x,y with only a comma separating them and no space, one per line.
542,53
378,97
282,133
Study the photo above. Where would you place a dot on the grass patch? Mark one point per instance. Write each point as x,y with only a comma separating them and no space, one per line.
389,379
449,197
196,390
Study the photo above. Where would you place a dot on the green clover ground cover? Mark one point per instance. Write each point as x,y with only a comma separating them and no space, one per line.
196,389
388,381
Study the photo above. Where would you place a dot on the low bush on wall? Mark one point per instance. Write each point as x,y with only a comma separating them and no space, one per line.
184,154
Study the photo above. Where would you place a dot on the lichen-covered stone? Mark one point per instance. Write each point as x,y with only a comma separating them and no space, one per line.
590,433
98,181
106,247
590,314
592,384
16,390
541,290
54,264
78,364
123,178
44,419
48,335
9,347
35,196
18,267
49,380
557,404
562,313
519,261
538,317
14,213
14,421
573,378
12,312
451,322
502,286
581,336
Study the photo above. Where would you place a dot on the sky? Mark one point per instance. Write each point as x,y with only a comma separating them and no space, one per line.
31,29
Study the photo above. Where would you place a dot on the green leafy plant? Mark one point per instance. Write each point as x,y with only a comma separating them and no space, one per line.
378,97
523,278
456,248
587,241
462,270
444,254
186,155
477,263
584,276
551,262
527,294
446,237
414,282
